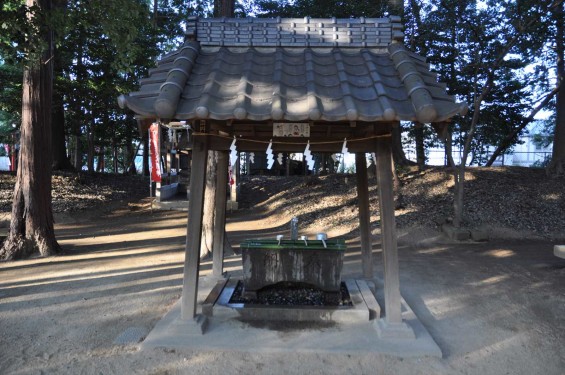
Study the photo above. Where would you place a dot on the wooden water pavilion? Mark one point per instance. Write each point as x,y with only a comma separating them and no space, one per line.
336,79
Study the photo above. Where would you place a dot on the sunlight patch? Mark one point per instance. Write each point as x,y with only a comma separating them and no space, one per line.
434,250
501,253
442,307
490,280
552,197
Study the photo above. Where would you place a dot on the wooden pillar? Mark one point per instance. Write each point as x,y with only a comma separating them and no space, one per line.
194,229
364,217
220,217
388,232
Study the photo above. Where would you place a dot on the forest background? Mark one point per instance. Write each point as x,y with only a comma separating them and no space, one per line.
72,58
506,55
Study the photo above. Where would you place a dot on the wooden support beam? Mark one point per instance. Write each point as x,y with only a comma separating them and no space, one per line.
364,217
194,229
220,217
388,232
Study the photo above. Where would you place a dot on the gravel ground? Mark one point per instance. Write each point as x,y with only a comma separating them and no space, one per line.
493,308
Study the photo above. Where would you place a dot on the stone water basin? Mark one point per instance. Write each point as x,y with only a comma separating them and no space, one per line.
269,261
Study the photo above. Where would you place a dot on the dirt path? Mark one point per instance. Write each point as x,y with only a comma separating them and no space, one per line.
493,308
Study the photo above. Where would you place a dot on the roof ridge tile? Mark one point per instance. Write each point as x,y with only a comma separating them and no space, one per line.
296,32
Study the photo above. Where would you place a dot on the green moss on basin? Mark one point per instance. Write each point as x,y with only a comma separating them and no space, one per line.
273,244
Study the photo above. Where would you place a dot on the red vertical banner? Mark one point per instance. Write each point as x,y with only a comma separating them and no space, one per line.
155,152
230,176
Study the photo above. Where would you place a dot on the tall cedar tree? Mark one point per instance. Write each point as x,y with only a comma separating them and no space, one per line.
557,165
31,226
222,8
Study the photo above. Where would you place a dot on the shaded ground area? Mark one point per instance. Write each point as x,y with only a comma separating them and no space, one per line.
493,308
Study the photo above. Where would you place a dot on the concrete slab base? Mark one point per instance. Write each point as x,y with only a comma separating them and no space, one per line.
226,333
174,330
559,251
176,205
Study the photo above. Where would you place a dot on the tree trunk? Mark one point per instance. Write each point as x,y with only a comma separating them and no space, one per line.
557,165
100,164
114,155
129,155
458,180
396,7
132,154
77,153
222,8
145,140
77,106
60,159
459,189
397,151
31,227
209,205
420,147
132,168
90,143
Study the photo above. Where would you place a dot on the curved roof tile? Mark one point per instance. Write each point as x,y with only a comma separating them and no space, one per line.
212,79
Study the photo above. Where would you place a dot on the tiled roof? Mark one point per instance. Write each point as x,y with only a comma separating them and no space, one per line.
297,32
331,82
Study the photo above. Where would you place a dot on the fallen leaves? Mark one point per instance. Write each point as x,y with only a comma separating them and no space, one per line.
522,199
75,192
511,197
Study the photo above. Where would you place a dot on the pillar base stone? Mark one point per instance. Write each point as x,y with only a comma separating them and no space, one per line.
387,330
195,326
